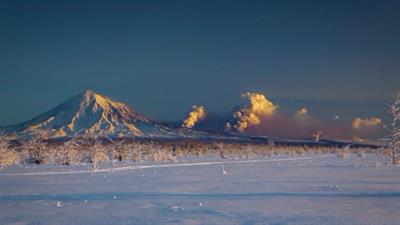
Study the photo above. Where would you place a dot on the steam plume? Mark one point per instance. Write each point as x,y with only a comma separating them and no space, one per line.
302,116
302,112
253,112
197,113
359,123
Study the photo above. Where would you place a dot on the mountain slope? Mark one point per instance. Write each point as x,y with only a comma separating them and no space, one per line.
90,113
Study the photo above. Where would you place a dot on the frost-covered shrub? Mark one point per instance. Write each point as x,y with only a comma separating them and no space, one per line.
162,155
344,153
302,151
361,153
248,153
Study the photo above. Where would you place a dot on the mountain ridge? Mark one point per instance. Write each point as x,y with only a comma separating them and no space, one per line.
88,112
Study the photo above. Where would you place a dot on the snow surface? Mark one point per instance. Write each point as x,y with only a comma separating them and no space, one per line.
310,189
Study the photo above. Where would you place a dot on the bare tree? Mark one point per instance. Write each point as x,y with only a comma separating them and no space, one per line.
394,128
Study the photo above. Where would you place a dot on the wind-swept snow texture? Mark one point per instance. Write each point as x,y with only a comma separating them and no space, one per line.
310,189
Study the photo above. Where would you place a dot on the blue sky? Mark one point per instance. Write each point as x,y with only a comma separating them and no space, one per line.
161,57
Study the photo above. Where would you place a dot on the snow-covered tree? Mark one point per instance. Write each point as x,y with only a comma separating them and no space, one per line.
91,149
68,152
98,153
394,129
118,150
8,156
134,152
36,148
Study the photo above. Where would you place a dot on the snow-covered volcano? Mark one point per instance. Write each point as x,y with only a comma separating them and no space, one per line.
91,113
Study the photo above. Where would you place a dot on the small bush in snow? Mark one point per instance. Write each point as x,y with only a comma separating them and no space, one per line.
162,155
361,154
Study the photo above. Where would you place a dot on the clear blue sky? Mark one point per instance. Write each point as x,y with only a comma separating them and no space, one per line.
334,57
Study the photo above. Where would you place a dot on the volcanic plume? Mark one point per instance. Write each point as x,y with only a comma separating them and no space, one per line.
359,123
252,113
198,113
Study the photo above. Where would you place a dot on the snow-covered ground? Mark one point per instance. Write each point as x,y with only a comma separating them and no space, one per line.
310,189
